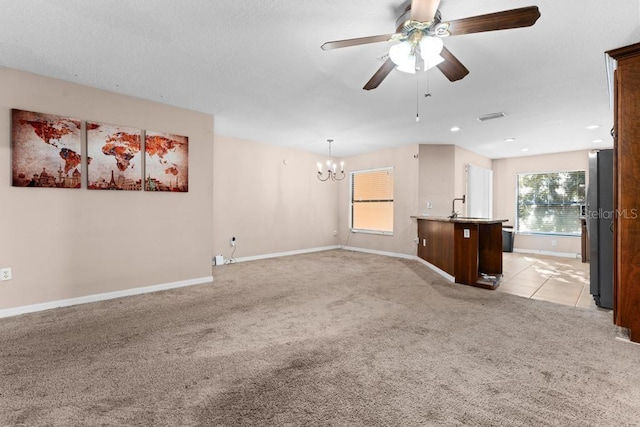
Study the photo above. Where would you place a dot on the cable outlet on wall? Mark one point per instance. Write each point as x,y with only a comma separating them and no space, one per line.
5,274
233,241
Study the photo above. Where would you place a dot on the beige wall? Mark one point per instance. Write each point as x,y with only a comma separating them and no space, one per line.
504,195
63,243
436,179
269,198
405,163
443,177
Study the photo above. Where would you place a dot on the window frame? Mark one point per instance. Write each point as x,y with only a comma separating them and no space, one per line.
547,233
351,202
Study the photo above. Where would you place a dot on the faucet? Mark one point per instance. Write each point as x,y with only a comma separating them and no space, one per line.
454,214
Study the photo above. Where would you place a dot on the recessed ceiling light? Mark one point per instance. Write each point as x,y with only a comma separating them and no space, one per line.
592,127
509,139
525,149
455,129
597,141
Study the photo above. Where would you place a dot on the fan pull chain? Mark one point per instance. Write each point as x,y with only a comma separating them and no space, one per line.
417,100
426,95
428,92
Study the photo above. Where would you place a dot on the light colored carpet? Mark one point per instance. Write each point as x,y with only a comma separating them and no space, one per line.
333,338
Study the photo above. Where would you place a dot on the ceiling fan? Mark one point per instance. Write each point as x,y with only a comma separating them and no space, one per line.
420,32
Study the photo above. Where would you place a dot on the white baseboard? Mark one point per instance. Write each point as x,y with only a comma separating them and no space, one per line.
320,249
375,252
8,312
549,253
289,253
436,269
403,256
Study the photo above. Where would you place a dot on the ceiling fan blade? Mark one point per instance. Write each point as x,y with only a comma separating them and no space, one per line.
355,42
515,18
452,68
380,75
424,10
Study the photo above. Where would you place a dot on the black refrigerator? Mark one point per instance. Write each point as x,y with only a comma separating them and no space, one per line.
600,216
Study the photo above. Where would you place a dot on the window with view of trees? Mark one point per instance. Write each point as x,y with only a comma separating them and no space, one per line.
549,203
372,201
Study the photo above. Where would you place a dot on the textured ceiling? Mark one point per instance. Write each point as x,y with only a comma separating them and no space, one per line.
258,67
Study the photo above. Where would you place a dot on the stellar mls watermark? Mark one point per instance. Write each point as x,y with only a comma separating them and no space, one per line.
617,213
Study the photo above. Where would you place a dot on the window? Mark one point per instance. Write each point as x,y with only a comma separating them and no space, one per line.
372,201
550,203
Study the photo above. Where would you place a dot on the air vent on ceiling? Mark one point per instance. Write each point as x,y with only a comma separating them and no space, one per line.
491,116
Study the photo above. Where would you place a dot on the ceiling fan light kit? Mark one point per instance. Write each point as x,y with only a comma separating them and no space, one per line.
423,55
420,36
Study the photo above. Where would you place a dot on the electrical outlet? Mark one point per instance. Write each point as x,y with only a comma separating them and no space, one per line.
233,241
554,243
429,205
335,233
5,274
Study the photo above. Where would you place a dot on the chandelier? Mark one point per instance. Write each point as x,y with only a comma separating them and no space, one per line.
332,169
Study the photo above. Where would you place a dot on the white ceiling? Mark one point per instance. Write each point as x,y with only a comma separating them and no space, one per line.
258,67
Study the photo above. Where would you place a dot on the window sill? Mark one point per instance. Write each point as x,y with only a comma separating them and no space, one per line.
381,233
533,233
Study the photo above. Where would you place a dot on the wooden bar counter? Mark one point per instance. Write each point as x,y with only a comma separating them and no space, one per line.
469,249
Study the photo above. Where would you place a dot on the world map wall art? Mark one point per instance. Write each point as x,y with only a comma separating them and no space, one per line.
114,160
166,163
46,150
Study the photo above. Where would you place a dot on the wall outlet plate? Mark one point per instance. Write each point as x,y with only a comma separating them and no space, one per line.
5,274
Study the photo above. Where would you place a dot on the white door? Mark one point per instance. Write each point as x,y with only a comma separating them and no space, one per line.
479,192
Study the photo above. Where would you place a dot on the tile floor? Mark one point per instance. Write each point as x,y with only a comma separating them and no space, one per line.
560,280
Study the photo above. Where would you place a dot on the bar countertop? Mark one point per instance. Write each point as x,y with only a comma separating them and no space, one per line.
460,219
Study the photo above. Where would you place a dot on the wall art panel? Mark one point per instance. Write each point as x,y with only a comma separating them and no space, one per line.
114,159
46,150
166,162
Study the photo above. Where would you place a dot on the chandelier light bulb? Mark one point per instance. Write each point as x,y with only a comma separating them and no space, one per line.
332,169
